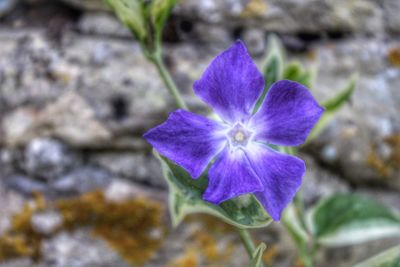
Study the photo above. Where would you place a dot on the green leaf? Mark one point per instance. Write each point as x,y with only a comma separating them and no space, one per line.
294,71
332,106
185,197
132,14
159,13
342,97
345,219
275,57
388,258
256,259
272,67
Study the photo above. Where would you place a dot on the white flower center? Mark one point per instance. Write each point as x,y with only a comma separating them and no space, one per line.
238,135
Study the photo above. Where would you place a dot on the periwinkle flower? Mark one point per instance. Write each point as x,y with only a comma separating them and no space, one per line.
244,163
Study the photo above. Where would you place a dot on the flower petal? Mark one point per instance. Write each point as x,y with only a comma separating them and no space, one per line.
280,174
231,84
287,115
188,139
230,176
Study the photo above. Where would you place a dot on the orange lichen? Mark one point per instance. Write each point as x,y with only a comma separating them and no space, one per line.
394,142
188,259
211,223
208,246
254,8
202,246
385,166
21,240
298,263
393,56
132,227
270,254
377,163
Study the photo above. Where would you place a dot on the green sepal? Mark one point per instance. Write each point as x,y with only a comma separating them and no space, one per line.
256,259
185,197
332,106
146,20
345,219
132,14
159,13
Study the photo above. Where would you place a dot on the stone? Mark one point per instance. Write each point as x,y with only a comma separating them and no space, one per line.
137,167
102,23
21,263
55,100
48,158
24,184
362,142
79,249
319,183
87,4
126,101
6,6
74,121
7,157
121,190
81,180
255,40
46,222
69,118
391,8
218,35
11,203
26,57
19,126
288,16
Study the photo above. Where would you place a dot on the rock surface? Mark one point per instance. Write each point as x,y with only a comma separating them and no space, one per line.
79,249
143,168
47,159
46,222
362,143
76,96
82,180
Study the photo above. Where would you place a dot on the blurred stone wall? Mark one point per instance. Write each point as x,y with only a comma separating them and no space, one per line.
76,94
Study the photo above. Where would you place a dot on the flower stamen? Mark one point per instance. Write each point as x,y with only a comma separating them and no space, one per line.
239,135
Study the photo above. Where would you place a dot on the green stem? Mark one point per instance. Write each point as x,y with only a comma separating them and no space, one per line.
306,253
307,260
247,242
157,60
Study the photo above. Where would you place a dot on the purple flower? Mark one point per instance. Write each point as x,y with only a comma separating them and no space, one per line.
244,163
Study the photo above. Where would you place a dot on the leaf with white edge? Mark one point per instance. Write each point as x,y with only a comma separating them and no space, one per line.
346,219
131,13
185,197
272,68
256,259
332,106
388,258
159,13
